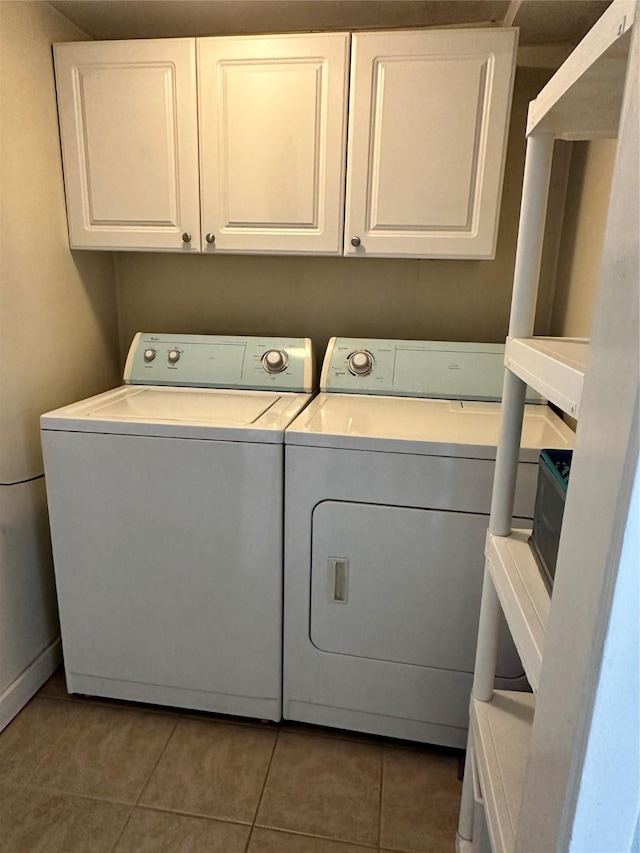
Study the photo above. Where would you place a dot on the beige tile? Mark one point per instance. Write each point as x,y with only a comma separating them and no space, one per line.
420,801
105,752
44,822
8,797
162,832
275,841
212,769
30,737
323,786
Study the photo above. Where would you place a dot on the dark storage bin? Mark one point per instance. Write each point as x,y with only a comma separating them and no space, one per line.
553,478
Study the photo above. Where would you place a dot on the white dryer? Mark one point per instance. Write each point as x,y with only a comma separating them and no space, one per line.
166,506
387,497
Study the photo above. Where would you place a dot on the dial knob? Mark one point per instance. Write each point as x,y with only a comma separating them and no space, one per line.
275,360
174,355
360,362
149,354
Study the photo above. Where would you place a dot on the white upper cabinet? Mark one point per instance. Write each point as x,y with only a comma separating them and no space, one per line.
250,156
128,120
428,121
273,114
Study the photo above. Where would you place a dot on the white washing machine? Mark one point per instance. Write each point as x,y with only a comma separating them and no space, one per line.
387,497
166,507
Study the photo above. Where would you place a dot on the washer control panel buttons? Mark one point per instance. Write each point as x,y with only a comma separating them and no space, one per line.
360,362
275,360
223,361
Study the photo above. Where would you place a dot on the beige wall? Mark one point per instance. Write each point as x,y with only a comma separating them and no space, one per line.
582,237
320,297
58,320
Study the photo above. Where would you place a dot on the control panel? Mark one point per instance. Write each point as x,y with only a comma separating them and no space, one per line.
446,370
221,361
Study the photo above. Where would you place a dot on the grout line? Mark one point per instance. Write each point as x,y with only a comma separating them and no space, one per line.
149,808
264,785
155,766
60,791
196,815
370,848
121,833
144,787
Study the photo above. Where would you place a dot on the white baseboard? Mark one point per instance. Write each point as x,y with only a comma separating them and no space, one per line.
17,694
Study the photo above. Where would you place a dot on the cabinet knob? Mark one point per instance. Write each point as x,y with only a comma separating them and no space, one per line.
186,237
355,241
210,238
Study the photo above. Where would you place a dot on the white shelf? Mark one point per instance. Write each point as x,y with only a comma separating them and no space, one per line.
501,734
555,367
523,596
583,99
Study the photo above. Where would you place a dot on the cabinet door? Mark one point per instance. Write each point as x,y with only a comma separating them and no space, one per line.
128,122
428,123
272,142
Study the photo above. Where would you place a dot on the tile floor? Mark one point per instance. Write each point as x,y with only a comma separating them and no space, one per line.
85,776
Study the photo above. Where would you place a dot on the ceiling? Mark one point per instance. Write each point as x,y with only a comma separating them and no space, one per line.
554,21
541,21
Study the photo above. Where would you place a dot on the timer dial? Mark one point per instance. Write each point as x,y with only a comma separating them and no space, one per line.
360,362
149,355
275,360
174,355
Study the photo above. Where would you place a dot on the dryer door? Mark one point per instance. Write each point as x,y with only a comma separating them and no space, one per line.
401,585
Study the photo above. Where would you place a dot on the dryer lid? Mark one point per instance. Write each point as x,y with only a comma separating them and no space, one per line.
429,427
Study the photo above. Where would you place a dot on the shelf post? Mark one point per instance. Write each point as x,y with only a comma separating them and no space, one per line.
535,194
465,819
487,648
533,214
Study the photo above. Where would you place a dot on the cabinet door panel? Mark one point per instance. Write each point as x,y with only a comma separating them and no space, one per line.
427,135
272,137
129,136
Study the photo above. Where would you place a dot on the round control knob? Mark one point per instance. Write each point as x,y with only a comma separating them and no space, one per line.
174,355
275,360
149,354
360,362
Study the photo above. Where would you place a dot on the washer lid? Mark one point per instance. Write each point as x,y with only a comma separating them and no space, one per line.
222,409
182,413
420,426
